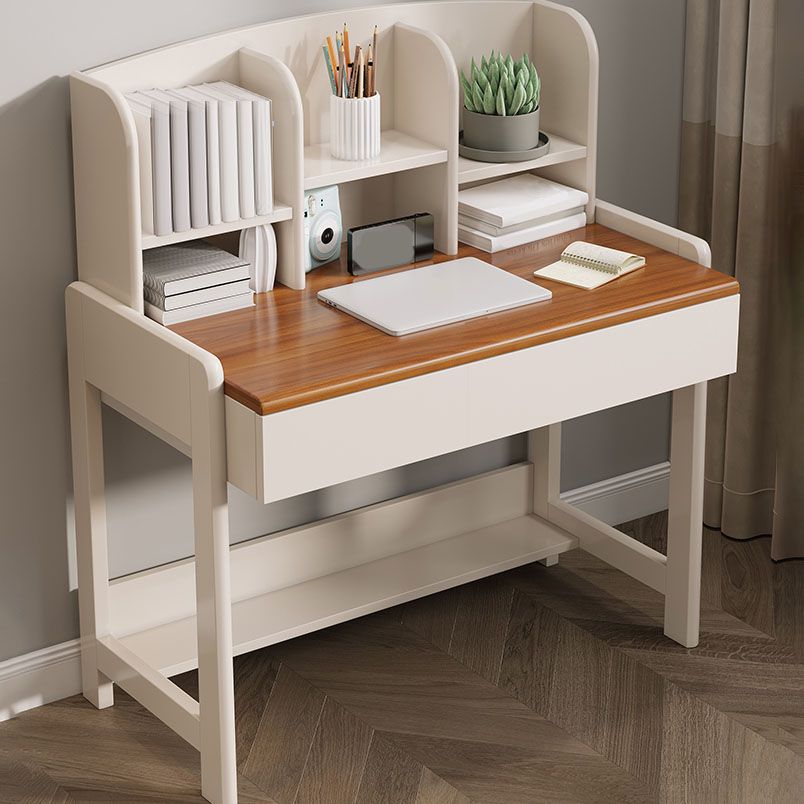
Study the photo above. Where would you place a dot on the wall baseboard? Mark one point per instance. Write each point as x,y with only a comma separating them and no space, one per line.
40,677
625,497
54,673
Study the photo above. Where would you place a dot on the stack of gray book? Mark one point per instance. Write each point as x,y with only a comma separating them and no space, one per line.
192,280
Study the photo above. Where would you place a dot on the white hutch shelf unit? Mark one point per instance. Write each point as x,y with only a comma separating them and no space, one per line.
420,50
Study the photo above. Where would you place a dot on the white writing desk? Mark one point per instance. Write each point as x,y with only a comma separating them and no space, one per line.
293,396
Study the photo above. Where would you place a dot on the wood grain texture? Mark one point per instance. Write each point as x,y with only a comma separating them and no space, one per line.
434,790
391,776
337,757
291,349
433,617
481,624
592,704
278,754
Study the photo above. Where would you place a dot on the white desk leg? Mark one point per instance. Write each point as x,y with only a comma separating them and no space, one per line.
90,516
544,452
682,608
213,592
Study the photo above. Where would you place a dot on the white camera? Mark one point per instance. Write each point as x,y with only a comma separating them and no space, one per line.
322,227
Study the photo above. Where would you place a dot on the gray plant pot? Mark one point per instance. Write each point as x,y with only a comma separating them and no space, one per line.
490,132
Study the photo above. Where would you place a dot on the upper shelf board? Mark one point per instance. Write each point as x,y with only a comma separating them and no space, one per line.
281,212
561,150
398,152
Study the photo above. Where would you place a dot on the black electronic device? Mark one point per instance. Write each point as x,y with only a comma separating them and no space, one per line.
388,244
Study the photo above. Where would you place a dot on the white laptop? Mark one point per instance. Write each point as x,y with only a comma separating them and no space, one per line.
423,298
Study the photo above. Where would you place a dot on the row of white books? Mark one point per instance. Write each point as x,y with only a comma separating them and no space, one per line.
514,211
205,156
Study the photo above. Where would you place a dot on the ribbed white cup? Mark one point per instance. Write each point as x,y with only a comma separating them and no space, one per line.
354,127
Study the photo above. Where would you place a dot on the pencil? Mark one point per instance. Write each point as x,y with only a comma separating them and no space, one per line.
360,77
330,71
337,64
374,56
370,72
353,74
346,45
332,60
342,88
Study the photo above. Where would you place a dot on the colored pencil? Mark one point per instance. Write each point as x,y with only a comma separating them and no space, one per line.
360,77
332,60
342,88
330,70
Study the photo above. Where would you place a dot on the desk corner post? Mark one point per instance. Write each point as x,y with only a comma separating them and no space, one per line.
544,453
90,509
685,519
213,587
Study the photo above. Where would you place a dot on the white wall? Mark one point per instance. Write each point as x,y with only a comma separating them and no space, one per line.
41,41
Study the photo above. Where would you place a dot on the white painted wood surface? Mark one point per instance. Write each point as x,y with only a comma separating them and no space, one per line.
544,454
90,507
268,75
281,212
163,594
419,45
174,389
422,59
465,405
54,673
398,151
108,225
179,388
561,150
213,625
657,234
151,688
565,52
611,545
331,599
685,515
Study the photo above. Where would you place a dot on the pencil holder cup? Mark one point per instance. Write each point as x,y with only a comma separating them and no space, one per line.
354,127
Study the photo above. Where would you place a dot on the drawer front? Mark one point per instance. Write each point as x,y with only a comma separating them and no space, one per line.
287,453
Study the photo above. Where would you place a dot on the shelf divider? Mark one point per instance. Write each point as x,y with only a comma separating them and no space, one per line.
561,150
267,75
398,152
282,212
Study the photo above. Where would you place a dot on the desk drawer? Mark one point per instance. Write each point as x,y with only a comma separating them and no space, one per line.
293,451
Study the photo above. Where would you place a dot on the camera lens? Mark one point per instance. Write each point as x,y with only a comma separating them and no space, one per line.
327,235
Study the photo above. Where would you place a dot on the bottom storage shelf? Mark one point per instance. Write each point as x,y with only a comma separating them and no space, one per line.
331,599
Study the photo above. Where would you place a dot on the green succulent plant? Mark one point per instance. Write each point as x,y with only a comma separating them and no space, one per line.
501,86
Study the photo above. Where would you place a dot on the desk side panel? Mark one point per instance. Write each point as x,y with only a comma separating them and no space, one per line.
351,436
107,191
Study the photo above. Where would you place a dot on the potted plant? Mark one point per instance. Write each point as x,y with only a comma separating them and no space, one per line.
501,104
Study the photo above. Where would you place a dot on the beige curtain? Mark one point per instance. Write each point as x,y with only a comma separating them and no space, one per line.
742,175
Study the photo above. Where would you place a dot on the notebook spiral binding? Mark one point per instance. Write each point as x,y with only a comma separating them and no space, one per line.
597,265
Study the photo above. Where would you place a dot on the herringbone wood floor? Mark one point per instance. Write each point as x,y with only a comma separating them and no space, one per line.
539,685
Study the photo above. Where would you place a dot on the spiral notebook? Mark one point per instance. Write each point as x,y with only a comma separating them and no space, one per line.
586,265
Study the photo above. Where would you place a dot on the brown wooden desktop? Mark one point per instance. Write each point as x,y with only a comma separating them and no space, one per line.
293,350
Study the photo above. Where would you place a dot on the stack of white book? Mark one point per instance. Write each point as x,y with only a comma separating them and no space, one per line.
518,210
205,156
192,280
